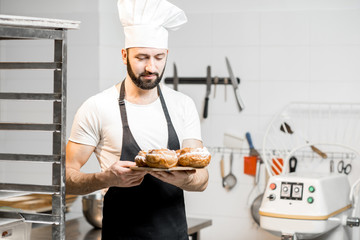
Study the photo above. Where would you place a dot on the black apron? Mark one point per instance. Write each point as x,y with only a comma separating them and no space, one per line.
152,210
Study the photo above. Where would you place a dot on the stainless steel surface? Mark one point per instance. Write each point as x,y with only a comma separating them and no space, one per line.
230,179
30,188
92,207
31,217
208,90
176,78
34,22
5,194
80,229
26,33
30,126
18,27
235,85
30,65
226,81
208,81
353,222
255,208
59,137
30,157
216,81
31,96
14,229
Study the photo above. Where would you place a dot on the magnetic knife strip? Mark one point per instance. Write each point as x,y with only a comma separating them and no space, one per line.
199,80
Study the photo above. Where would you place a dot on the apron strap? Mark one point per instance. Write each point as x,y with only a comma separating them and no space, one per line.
173,140
123,113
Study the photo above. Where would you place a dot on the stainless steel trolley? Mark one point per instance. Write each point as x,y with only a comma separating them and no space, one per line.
28,28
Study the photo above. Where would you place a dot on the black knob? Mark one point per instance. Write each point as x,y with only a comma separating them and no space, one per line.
271,197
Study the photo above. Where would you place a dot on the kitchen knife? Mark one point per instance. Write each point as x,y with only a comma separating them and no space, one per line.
208,89
235,86
176,78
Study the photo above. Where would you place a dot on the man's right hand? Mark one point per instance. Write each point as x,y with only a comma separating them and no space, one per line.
120,175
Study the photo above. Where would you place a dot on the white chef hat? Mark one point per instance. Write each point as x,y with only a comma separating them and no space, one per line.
146,22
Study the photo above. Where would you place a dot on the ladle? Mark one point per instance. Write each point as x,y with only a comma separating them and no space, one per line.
229,181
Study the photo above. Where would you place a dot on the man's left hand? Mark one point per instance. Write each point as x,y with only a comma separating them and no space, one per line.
178,178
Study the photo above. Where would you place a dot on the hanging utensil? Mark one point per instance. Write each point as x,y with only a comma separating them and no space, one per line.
230,179
285,127
292,164
222,170
255,206
342,168
235,85
216,81
254,152
176,78
332,166
226,81
208,89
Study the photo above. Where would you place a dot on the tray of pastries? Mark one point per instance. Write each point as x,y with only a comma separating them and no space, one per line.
170,160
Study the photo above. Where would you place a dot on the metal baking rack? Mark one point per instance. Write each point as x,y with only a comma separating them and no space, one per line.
26,28
199,80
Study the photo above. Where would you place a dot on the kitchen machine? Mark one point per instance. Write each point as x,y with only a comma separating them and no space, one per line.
308,206
319,199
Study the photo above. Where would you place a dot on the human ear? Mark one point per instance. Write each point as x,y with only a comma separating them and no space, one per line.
124,55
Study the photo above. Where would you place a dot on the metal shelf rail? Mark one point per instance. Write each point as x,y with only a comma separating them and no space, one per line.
29,28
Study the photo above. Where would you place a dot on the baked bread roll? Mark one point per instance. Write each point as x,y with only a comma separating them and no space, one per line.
161,158
194,157
140,159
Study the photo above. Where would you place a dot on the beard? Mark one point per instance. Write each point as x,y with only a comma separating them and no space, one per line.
144,84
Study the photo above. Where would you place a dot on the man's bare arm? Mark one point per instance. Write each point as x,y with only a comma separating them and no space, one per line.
77,182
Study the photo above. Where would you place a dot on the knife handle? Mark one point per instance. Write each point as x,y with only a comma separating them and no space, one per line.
206,107
248,138
318,151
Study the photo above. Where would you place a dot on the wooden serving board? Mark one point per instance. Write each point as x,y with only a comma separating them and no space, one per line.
136,168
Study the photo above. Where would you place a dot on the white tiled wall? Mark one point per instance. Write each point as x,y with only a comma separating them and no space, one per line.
282,50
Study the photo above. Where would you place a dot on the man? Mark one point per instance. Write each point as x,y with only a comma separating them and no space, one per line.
138,114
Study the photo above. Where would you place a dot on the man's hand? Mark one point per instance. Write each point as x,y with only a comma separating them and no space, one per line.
178,178
120,175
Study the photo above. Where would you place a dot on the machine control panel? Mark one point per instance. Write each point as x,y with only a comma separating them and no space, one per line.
290,190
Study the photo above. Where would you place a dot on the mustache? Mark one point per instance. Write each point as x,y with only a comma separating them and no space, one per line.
149,73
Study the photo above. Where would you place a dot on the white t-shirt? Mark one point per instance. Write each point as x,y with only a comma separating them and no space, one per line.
98,123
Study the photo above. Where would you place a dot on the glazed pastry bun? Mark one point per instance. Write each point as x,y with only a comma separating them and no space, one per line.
194,157
140,159
161,158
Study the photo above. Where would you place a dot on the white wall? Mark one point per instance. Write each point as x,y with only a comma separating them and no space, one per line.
282,50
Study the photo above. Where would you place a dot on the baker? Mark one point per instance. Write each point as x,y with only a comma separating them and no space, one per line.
139,113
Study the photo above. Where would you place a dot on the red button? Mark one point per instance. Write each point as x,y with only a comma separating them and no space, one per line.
272,186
